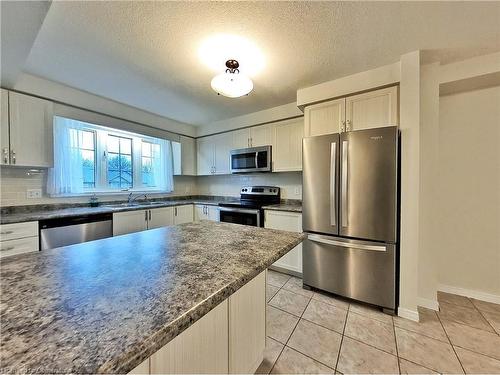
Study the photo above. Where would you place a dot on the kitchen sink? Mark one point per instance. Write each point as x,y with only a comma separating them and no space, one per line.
133,204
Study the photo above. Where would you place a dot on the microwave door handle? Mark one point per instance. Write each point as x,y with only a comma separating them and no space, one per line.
333,210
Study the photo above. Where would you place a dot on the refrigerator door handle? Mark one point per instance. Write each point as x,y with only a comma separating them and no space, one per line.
345,219
326,241
333,209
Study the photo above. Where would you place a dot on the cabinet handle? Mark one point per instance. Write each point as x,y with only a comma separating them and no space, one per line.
8,248
342,127
150,215
175,210
251,142
348,125
146,215
7,232
13,156
5,155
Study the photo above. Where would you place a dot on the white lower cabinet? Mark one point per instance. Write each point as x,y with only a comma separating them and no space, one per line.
289,221
183,214
18,238
160,217
229,339
129,222
206,212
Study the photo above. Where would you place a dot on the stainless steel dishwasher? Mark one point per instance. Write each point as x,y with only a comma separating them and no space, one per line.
72,230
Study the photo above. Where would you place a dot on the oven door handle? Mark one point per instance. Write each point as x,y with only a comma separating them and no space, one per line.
241,210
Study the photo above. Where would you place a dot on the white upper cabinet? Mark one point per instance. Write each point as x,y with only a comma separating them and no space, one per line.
287,147
261,135
324,118
4,127
223,146
205,156
188,156
372,109
31,140
241,138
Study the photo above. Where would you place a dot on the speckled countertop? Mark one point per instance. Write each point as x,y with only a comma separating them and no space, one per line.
42,212
35,213
105,306
290,206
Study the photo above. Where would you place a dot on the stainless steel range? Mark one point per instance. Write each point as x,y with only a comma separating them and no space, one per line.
248,210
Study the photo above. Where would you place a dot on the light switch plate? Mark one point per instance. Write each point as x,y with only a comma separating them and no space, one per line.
33,193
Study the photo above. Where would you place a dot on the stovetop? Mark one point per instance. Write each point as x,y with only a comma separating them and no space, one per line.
256,197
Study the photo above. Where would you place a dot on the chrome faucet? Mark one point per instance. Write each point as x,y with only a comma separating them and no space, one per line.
132,199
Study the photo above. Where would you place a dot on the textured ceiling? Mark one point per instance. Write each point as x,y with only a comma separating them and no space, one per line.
145,54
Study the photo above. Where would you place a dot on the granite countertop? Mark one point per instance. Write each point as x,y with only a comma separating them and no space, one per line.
105,306
290,206
42,212
35,213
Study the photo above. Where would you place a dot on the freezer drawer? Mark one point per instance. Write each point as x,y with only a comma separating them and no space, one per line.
361,270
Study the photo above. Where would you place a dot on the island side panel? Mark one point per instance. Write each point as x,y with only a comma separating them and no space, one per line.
247,326
202,348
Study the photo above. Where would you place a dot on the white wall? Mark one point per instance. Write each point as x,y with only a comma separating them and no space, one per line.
289,182
468,204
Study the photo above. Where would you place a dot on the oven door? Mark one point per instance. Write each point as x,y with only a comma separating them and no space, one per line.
255,159
244,216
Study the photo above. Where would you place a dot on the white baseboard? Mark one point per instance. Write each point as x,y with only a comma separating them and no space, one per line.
487,297
408,314
428,303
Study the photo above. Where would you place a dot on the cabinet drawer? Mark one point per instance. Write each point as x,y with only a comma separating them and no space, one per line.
18,230
23,245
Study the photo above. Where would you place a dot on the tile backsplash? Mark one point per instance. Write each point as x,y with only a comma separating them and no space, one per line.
15,182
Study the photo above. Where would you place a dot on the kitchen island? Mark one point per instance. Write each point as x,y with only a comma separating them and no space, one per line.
108,306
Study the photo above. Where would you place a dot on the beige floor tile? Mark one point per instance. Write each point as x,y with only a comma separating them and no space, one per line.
271,290
316,342
277,278
463,315
370,312
408,367
486,306
429,325
474,339
273,350
454,299
326,315
279,324
358,358
293,362
430,353
371,331
474,363
493,319
290,302
295,285
335,301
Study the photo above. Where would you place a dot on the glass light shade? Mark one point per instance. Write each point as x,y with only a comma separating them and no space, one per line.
232,85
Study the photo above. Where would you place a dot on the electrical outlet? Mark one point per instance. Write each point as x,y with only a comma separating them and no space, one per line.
34,193
298,190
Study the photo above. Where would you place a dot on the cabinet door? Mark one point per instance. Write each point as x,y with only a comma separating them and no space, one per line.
19,246
183,214
287,148
161,217
4,127
261,135
292,222
205,156
324,118
247,326
199,212
223,146
241,138
213,213
200,349
129,222
372,109
31,140
188,156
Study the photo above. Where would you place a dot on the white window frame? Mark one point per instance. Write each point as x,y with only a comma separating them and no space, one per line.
101,178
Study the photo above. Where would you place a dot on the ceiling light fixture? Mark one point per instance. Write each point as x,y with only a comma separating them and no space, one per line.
232,83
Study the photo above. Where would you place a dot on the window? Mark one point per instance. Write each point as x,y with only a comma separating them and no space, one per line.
89,158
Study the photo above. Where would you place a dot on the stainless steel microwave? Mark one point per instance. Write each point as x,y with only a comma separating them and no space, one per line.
247,160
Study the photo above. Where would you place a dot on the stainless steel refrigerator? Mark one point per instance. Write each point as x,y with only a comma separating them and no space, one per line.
350,200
